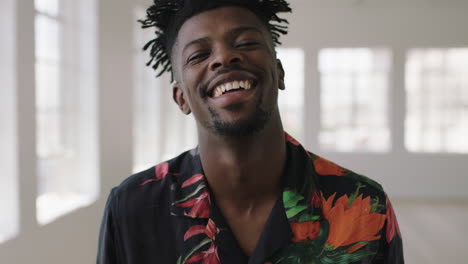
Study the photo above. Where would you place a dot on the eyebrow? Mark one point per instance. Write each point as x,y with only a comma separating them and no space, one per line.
233,31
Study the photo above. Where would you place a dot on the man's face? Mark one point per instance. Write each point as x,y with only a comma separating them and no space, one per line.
226,71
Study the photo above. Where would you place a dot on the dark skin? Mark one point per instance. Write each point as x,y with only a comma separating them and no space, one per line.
244,172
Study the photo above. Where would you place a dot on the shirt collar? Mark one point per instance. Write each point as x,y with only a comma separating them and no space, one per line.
298,203
192,195
301,192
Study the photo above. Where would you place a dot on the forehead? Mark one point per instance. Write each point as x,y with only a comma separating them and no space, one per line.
212,23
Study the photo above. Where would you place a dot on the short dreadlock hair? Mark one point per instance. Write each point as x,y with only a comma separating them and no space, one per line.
168,16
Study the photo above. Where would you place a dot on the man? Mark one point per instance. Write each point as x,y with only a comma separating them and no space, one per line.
249,193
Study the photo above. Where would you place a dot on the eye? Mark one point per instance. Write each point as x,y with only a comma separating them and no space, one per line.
197,57
247,44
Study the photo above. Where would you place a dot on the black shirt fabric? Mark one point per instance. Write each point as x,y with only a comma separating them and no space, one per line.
326,214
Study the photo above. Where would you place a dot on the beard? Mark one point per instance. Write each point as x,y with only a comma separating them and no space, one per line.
241,128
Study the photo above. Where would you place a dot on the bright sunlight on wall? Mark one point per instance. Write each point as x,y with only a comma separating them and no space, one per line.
354,109
65,107
8,156
437,100
291,100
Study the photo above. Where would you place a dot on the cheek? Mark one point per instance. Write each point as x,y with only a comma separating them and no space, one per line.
264,60
193,77
192,82
190,86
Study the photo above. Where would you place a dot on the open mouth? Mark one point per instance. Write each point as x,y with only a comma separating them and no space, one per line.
233,86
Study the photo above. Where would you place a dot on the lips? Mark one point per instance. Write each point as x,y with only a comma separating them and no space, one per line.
230,82
232,86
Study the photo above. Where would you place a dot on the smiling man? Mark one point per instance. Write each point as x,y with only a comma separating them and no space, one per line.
249,193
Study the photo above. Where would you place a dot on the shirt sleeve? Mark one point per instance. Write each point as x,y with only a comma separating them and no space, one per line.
107,249
391,244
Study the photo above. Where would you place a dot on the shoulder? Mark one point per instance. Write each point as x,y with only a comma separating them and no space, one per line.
337,181
153,186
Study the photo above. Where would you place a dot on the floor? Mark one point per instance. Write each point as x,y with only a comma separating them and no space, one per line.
434,232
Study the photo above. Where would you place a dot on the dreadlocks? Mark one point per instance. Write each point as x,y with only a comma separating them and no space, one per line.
168,16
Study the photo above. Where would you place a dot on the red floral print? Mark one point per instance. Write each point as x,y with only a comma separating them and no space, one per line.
207,257
194,179
325,167
194,230
305,230
211,230
392,224
353,223
160,171
200,206
316,201
200,203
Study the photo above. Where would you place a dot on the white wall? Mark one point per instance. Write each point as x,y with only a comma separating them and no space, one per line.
8,157
315,24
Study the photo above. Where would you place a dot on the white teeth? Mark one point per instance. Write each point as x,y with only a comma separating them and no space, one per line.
218,91
230,86
242,84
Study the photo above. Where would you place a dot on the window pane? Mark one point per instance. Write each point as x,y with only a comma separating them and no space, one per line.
147,127
437,99
161,130
354,86
47,39
50,7
48,110
290,101
65,109
9,202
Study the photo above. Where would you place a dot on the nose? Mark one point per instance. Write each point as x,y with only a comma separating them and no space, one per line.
225,57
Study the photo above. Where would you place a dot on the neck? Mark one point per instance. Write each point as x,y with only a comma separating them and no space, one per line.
245,172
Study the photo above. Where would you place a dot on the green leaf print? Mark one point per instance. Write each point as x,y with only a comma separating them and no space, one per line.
343,257
308,217
195,249
366,180
376,205
190,195
323,234
291,198
355,195
295,210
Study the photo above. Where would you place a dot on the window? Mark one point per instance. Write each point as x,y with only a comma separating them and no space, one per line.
146,129
161,130
291,101
65,107
8,180
437,100
354,86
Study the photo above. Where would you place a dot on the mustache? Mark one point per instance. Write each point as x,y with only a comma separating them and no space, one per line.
235,67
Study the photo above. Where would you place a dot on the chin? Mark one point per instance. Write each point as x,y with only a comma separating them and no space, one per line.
245,127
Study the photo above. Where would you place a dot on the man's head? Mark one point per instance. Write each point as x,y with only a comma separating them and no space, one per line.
168,16
212,46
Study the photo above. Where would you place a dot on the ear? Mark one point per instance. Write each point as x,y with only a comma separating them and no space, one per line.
179,98
279,68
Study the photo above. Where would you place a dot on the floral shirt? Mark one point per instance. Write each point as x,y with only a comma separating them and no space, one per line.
326,214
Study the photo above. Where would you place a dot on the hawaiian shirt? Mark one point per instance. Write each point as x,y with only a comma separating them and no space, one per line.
325,214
